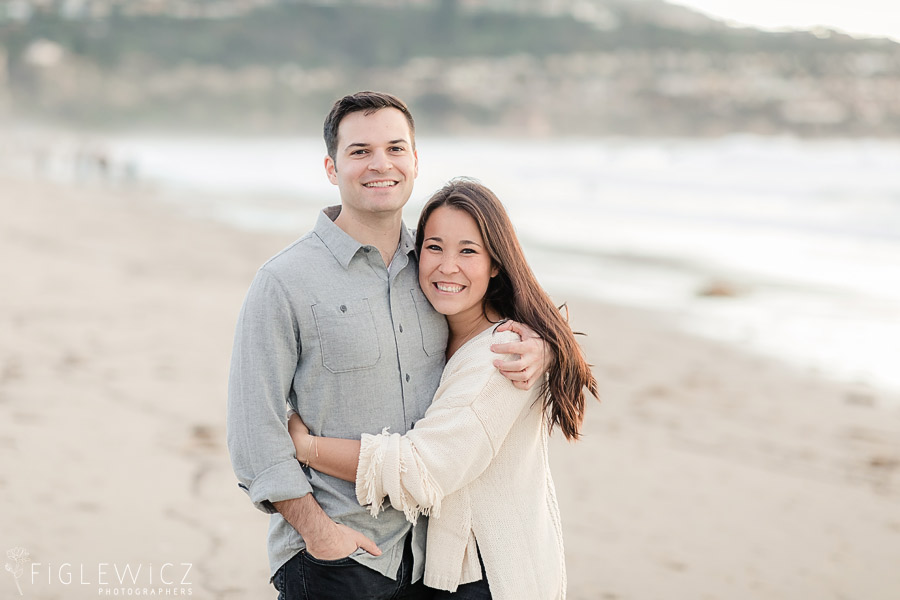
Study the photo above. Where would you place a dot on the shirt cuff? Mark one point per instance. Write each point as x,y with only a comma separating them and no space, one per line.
283,481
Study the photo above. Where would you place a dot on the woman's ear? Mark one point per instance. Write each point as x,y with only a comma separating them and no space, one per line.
495,270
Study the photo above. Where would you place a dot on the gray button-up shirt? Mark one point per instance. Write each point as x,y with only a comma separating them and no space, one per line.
354,347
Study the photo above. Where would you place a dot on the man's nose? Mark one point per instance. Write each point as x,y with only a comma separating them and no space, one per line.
380,162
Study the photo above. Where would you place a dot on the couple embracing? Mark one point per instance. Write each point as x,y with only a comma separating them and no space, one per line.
423,373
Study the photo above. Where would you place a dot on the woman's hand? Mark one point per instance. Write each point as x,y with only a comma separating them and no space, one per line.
300,434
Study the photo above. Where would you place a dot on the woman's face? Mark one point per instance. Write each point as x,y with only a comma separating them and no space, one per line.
454,265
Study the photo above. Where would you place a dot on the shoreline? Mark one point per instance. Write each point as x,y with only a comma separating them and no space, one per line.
797,271
706,472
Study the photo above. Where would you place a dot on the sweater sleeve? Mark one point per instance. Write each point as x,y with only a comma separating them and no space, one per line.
462,431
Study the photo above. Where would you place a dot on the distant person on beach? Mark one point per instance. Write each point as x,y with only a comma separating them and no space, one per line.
477,461
336,326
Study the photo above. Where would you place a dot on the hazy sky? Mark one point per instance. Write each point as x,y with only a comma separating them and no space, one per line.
870,17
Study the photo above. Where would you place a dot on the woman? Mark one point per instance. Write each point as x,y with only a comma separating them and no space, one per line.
477,462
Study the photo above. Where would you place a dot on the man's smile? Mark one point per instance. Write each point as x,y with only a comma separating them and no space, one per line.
380,184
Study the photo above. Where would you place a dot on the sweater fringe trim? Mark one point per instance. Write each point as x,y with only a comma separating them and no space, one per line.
372,455
431,505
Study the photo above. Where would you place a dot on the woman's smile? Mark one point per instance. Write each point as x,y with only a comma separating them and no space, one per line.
449,288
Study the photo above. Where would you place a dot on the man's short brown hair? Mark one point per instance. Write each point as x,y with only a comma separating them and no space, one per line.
368,102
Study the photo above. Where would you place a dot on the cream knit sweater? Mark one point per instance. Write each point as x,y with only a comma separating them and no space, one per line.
477,463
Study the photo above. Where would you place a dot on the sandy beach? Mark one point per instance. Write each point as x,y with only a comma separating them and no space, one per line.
706,473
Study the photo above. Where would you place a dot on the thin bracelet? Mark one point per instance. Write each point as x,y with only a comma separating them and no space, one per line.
312,439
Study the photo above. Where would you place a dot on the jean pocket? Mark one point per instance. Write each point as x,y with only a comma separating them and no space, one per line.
347,335
328,563
278,582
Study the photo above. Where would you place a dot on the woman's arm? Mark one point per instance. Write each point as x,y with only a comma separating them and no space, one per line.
333,456
456,440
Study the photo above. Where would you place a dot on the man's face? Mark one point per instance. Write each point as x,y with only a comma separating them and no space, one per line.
375,164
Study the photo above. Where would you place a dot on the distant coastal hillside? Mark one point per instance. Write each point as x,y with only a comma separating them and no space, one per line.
638,67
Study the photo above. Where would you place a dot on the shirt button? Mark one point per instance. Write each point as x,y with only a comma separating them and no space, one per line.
407,378
343,308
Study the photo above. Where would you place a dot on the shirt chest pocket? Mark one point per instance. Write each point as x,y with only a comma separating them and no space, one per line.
432,324
347,335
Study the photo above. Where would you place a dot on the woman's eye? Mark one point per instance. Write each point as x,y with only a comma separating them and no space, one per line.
468,251
434,247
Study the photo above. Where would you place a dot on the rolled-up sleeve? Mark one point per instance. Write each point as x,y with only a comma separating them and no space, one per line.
263,362
449,447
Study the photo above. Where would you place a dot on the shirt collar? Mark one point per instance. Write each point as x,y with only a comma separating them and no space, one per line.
344,247
407,241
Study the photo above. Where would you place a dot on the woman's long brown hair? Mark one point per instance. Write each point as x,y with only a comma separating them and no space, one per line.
515,294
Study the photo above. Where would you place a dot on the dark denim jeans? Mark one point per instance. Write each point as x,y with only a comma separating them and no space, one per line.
306,577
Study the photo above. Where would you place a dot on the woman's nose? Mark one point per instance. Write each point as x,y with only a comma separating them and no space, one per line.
448,265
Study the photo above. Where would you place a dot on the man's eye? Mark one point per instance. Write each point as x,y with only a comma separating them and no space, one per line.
398,149
358,152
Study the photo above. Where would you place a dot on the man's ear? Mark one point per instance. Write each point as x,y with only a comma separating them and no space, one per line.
416,157
331,170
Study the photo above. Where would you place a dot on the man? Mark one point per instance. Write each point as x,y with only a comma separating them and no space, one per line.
336,326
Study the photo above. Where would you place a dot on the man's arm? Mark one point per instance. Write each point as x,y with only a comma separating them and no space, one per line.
324,538
263,362
534,355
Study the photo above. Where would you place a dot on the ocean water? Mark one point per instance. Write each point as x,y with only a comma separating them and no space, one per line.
801,237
